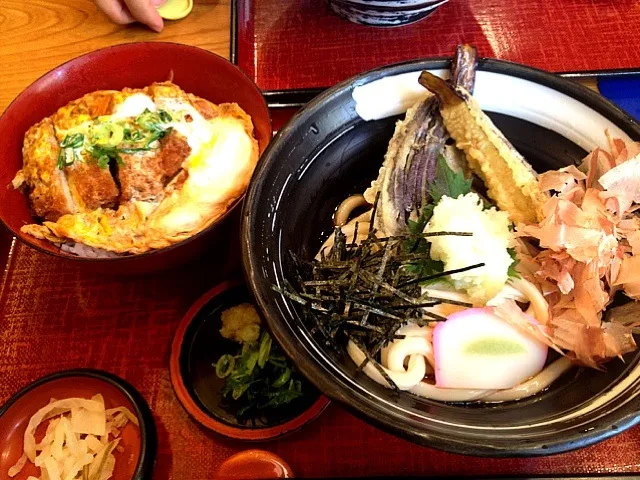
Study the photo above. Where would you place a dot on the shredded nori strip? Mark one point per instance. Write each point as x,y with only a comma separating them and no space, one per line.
419,235
373,215
438,275
355,235
365,292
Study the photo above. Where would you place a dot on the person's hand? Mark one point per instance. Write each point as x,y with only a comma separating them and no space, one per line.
123,12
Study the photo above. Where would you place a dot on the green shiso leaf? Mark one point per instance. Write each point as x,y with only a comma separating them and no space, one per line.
447,182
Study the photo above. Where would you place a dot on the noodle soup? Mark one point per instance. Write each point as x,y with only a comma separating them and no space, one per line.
461,275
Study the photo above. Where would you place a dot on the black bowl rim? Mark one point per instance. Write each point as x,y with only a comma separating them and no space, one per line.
125,258
148,434
328,383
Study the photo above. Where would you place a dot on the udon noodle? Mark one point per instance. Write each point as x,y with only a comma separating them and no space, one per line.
409,362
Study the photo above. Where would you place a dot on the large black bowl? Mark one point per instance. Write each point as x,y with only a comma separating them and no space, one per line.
327,152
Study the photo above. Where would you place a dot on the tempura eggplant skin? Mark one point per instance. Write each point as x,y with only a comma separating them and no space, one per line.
408,166
410,162
510,180
463,67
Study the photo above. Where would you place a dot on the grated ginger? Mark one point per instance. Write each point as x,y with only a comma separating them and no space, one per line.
241,323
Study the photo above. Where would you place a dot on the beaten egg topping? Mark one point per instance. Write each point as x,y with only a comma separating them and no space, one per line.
135,170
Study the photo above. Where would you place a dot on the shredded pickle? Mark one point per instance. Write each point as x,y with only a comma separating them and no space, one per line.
76,440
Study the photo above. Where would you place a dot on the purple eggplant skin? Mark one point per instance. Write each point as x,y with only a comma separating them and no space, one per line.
427,135
463,67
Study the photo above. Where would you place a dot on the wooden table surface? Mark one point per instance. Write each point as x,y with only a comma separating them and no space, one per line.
38,35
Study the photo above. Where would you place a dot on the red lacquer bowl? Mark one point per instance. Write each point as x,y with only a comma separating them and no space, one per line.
139,444
196,348
135,65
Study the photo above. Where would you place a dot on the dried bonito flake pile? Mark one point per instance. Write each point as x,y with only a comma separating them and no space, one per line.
588,249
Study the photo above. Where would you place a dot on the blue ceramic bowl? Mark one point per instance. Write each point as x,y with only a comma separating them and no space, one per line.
384,13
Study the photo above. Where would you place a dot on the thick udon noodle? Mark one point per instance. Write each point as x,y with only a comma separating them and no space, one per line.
409,361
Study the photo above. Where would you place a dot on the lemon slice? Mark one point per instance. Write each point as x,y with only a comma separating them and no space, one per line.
175,9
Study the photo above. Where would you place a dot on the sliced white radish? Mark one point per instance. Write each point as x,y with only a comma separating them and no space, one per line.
475,349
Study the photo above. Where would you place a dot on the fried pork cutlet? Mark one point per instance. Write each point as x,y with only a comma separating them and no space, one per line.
144,175
91,186
49,191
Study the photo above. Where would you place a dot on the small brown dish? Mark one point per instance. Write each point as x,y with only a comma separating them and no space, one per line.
254,464
139,444
196,348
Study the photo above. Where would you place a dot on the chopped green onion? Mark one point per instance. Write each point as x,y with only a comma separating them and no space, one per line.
132,135
257,378
278,361
105,142
136,136
265,349
103,161
251,361
151,121
74,140
65,159
225,365
239,390
164,116
146,119
283,378
157,135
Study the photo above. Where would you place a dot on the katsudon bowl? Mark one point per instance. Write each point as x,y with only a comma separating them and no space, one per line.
327,152
136,65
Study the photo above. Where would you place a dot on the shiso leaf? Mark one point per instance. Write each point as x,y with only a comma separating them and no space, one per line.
447,182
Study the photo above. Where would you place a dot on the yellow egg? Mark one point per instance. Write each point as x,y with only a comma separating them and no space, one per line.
169,188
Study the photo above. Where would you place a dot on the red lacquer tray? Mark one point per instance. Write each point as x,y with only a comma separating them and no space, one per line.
298,44
54,316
